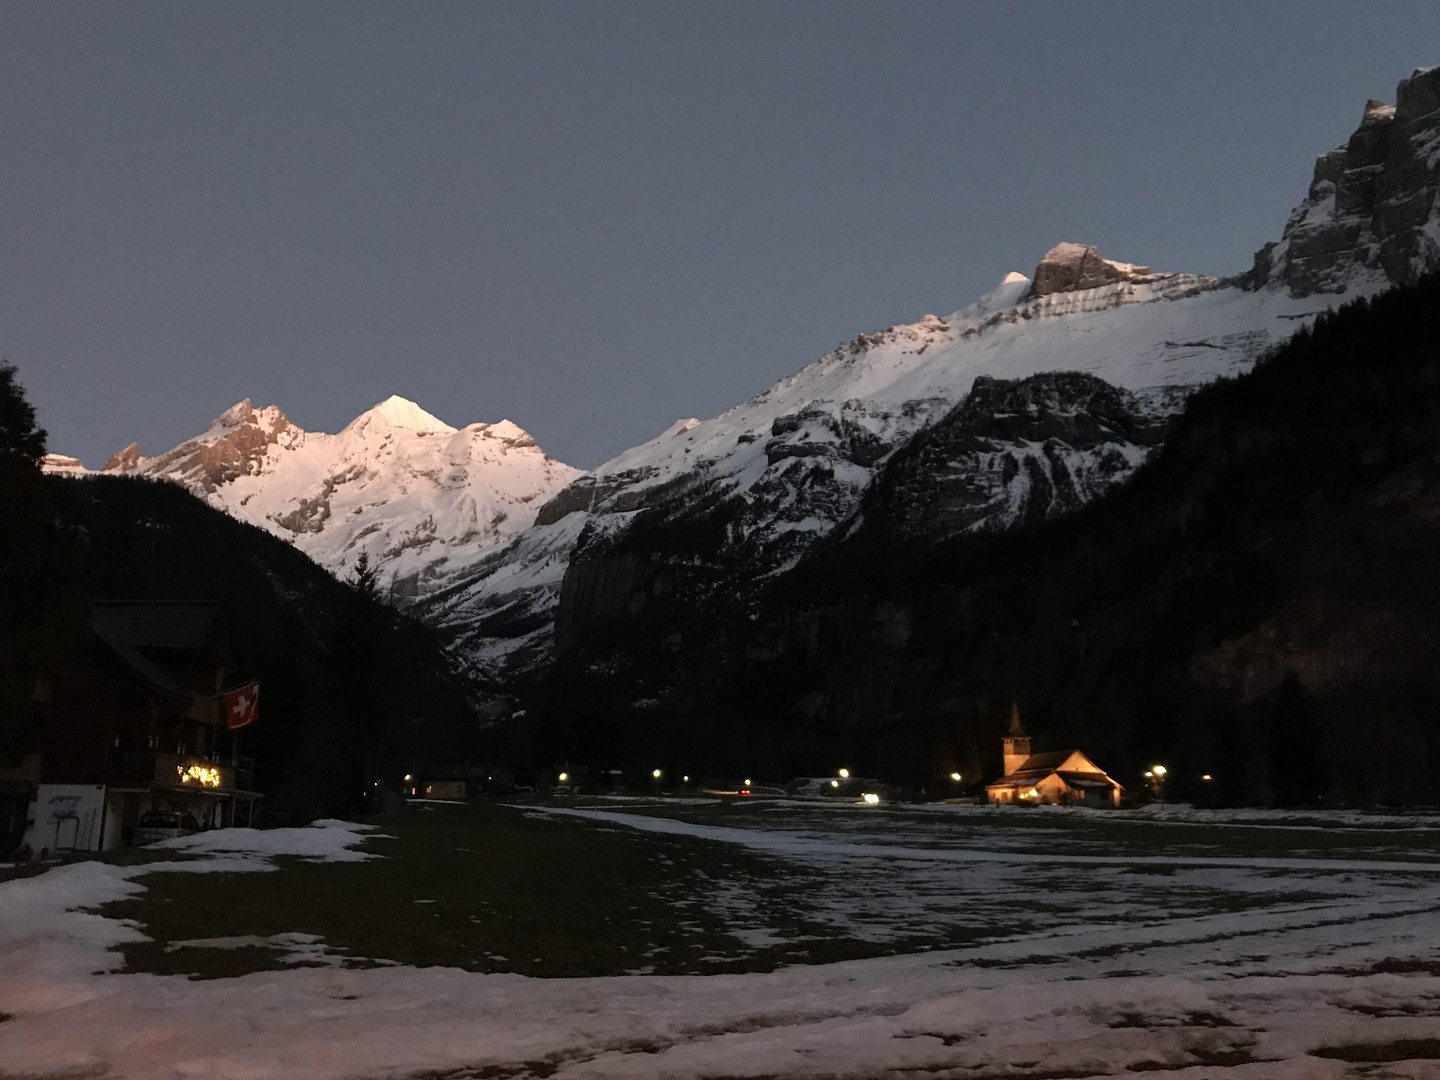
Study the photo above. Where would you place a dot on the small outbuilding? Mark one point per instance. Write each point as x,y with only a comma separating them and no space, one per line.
1060,777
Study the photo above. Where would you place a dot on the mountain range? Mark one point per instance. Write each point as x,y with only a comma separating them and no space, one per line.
421,499
1044,394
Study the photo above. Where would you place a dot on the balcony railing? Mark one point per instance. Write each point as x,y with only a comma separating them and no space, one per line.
150,766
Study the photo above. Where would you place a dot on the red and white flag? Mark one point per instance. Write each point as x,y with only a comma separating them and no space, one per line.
242,705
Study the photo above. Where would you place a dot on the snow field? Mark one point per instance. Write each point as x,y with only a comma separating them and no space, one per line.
1194,947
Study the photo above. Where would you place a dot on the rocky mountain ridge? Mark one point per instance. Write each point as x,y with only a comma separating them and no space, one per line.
788,469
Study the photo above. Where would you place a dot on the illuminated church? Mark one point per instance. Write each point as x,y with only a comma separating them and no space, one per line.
1061,777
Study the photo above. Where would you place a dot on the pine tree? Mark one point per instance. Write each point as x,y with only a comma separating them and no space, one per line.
20,438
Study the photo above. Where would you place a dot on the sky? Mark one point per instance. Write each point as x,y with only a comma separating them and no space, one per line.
595,218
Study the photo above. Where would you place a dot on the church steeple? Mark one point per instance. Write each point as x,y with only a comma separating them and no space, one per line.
1016,743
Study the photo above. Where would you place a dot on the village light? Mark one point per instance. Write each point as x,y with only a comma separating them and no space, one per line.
845,774
834,783
1148,774
1207,777
564,776
656,774
199,774
685,779
955,776
1159,770
408,778
870,798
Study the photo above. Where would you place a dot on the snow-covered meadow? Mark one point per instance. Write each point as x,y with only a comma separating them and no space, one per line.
1027,943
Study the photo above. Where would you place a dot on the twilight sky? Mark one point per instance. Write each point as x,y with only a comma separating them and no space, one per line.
594,218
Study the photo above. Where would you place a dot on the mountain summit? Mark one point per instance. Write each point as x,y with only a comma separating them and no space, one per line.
403,413
423,499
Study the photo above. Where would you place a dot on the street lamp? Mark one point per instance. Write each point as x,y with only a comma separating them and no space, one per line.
955,776
656,774
1155,780
844,774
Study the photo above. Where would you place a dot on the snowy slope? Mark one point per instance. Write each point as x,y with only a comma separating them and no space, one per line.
793,464
798,458
423,499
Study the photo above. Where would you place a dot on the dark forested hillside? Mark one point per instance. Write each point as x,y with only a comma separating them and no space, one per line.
1260,604
351,690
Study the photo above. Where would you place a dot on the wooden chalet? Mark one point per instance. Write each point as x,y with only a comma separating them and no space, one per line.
1063,777
134,722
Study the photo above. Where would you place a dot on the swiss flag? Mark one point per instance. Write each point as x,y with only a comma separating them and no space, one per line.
242,705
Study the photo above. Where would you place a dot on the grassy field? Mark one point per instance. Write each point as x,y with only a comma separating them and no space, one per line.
484,887
749,886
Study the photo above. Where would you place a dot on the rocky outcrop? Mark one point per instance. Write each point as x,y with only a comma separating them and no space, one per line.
1370,216
62,465
1072,267
234,446
123,461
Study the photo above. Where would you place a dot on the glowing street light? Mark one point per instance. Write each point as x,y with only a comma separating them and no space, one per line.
870,798
1155,780
844,774
834,783
564,776
955,776
656,774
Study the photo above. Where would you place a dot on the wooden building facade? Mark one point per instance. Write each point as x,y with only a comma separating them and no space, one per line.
134,722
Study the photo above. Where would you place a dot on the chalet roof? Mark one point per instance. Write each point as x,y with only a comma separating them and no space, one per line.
131,627
151,624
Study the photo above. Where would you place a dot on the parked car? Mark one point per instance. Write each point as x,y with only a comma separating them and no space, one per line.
156,825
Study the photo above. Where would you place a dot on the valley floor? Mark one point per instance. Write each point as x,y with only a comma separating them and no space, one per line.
737,938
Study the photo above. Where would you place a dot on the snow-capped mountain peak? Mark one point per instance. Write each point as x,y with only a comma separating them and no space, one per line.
399,412
421,498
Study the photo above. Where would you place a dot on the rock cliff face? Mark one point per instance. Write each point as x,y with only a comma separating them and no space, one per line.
234,445
1371,213
1072,267
1016,453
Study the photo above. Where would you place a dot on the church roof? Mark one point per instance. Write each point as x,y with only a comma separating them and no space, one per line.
1038,766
